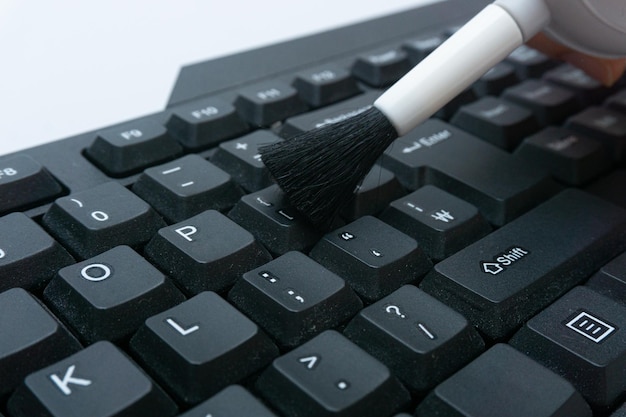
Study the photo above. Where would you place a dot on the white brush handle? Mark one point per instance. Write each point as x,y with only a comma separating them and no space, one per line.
480,44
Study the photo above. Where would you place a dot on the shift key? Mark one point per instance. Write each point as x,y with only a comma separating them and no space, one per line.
505,278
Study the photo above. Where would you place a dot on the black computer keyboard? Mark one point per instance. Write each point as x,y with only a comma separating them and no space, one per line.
151,268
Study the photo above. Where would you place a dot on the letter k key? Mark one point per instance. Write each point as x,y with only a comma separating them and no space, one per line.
68,379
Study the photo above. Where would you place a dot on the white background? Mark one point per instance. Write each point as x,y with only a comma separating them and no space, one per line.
68,66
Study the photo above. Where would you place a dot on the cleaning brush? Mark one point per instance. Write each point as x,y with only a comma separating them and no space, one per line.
319,170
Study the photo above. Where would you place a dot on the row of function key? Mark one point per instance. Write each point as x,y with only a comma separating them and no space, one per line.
130,147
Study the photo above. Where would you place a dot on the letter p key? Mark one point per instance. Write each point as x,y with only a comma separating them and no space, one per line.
186,232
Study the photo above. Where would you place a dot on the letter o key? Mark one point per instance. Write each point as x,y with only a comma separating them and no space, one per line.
101,216
105,272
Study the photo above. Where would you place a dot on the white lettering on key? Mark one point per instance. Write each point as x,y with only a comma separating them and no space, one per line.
2,254
101,272
205,112
170,171
322,76
9,172
131,134
270,94
180,329
101,216
68,379
309,361
186,232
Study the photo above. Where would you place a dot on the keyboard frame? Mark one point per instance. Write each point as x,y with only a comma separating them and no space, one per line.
63,158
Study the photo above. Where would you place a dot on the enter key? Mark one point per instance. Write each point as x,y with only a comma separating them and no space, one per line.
502,280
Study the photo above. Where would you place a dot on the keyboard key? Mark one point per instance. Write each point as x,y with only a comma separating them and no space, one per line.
530,63
201,346
411,327
110,295
99,381
379,188
588,90
498,122
502,189
610,280
609,187
204,123
183,188
465,97
606,125
581,336
419,48
620,412
617,101
29,257
269,102
496,80
36,339
550,104
503,382
231,401
330,376
518,269
24,183
373,257
273,222
92,221
281,297
328,115
131,147
241,159
571,158
207,252
381,67
440,222
325,85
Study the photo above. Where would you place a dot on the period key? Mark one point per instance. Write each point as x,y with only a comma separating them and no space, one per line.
331,376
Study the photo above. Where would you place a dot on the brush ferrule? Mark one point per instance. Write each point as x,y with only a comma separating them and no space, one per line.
479,45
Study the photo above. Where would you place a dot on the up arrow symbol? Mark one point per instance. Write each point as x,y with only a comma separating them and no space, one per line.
309,361
492,268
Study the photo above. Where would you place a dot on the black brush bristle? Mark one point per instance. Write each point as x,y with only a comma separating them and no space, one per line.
319,170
